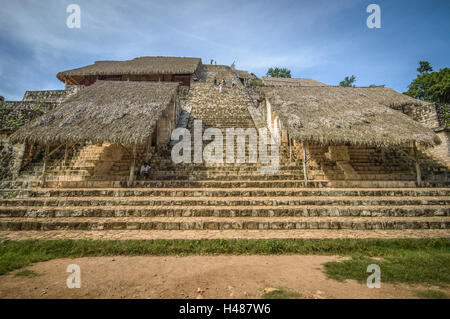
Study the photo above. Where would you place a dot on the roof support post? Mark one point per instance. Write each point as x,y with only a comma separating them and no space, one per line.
290,150
416,164
305,172
66,153
44,168
132,167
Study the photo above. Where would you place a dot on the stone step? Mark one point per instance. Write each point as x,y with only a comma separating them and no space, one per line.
196,175
223,201
205,223
236,184
222,172
223,192
228,168
225,177
224,211
80,172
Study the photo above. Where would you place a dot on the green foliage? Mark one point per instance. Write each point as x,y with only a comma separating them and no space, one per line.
348,81
430,86
254,82
13,121
9,195
279,72
424,67
437,140
37,107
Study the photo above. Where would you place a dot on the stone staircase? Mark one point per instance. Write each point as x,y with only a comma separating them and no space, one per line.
218,72
102,164
225,209
90,160
226,200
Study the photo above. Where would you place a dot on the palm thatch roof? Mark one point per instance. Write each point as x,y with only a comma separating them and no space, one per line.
358,116
118,112
141,65
272,81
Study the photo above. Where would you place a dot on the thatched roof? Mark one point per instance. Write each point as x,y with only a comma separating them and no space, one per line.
115,111
141,65
359,116
287,82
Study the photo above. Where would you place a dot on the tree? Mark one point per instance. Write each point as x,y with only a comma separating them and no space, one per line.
348,81
424,67
430,86
279,72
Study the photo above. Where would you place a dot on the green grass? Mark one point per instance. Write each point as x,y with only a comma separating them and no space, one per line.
430,294
425,267
281,293
428,258
27,273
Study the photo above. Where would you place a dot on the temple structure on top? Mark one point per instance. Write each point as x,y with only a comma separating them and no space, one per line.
156,69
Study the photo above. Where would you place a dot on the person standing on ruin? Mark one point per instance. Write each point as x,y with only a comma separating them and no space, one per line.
233,83
220,87
215,81
145,170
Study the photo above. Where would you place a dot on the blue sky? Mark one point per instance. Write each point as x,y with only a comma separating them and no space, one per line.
323,40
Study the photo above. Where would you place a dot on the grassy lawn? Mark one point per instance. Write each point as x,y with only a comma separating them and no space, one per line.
425,261
431,268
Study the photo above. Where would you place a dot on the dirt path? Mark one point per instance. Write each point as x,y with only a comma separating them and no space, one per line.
190,277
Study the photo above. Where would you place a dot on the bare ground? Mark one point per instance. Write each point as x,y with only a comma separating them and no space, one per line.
192,277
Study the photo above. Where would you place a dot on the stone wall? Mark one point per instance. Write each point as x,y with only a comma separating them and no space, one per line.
10,158
442,152
54,96
432,115
14,114
167,122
